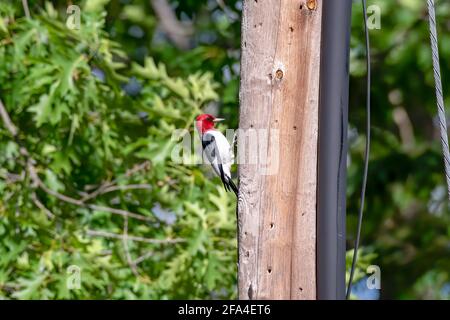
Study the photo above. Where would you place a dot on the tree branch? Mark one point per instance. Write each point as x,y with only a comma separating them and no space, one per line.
126,249
143,186
26,8
105,234
7,120
105,186
176,31
38,183
41,206
143,257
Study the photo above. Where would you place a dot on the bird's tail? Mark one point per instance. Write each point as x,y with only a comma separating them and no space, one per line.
232,186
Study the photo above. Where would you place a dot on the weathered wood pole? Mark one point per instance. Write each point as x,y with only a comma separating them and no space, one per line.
279,102
293,149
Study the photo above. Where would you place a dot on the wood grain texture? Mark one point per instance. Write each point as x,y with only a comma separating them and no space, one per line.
279,92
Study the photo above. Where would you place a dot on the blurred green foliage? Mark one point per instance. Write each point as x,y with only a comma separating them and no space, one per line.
93,104
407,222
86,139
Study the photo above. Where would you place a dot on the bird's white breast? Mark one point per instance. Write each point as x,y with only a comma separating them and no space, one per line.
223,148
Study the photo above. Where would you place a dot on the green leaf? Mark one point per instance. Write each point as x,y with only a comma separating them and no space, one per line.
52,181
29,287
43,109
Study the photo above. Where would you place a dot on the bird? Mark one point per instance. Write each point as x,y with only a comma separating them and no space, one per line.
217,149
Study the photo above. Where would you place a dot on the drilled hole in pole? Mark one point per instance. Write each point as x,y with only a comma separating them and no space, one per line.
279,74
311,4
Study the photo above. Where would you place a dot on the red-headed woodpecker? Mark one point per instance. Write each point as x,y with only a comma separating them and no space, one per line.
217,149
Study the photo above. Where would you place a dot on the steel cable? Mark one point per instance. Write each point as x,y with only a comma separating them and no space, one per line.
439,94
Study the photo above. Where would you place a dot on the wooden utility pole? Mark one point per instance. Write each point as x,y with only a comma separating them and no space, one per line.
293,148
279,95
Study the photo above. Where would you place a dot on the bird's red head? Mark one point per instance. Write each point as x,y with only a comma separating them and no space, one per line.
205,122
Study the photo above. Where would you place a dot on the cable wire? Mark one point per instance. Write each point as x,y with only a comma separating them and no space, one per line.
366,156
439,94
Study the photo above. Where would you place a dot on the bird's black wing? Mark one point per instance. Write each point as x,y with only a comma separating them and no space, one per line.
210,142
209,148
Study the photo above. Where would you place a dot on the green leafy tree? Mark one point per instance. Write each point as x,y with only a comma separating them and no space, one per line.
86,180
406,216
95,110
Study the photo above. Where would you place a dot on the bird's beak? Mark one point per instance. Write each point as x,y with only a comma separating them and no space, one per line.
218,119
